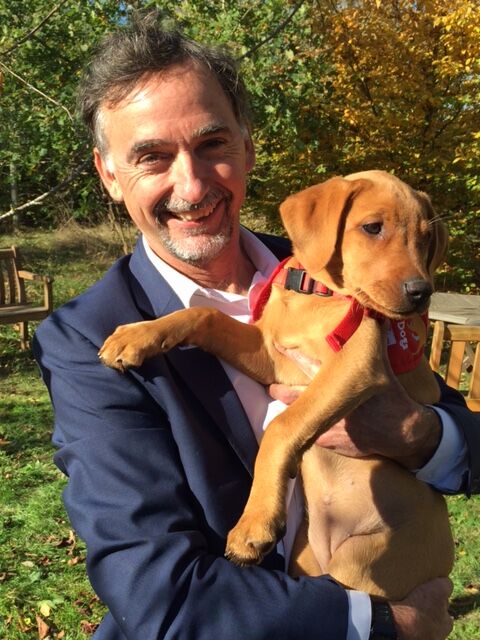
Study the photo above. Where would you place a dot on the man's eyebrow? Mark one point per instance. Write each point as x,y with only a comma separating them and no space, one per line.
211,129
145,145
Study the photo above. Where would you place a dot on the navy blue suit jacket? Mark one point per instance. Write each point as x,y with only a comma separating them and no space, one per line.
160,464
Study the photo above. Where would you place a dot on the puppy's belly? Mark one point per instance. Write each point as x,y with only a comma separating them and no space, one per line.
340,501
372,525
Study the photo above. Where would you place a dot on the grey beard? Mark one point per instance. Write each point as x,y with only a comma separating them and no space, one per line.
199,256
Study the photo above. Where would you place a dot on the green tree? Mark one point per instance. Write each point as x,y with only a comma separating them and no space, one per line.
404,88
41,54
336,86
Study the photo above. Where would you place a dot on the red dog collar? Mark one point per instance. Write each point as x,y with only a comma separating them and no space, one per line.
405,346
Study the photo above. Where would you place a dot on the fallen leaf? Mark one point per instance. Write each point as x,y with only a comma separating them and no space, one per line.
28,563
472,588
24,624
42,627
6,575
88,627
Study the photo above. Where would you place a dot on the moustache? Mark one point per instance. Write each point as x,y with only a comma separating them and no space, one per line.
173,204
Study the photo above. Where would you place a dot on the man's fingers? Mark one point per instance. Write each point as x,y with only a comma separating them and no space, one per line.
285,393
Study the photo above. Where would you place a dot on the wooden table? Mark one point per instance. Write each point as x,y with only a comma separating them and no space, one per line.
455,308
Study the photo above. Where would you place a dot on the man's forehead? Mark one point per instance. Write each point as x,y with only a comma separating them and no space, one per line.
151,82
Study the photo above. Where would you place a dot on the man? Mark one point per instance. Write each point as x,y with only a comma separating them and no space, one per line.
160,460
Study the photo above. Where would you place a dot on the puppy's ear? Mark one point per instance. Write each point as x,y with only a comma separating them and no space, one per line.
437,250
314,217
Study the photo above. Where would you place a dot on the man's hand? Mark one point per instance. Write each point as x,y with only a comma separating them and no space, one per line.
423,614
391,424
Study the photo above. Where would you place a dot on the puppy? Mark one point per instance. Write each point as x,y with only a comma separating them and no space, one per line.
365,250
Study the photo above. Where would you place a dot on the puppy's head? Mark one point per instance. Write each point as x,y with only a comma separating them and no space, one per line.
371,236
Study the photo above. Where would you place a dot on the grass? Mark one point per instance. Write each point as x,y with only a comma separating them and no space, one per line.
44,592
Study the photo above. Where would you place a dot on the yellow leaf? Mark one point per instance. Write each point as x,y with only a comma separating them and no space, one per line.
45,609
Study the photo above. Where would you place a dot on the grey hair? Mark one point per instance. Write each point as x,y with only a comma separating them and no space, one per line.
127,56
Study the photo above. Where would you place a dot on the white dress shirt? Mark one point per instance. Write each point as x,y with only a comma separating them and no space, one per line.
444,470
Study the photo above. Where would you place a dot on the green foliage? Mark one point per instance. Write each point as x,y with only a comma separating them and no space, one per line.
41,144
336,87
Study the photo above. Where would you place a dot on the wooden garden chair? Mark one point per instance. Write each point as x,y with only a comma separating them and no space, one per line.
16,307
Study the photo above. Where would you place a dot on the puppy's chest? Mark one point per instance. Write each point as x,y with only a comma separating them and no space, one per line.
296,320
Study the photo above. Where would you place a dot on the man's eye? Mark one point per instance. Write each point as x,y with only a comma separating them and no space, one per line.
212,144
152,158
372,228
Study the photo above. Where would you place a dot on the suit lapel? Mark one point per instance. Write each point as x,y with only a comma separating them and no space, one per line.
199,371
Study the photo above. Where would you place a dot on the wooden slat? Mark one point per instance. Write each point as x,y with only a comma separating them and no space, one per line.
7,253
437,345
455,363
463,352
462,332
475,380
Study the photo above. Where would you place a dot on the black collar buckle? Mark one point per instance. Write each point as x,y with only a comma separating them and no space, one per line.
298,280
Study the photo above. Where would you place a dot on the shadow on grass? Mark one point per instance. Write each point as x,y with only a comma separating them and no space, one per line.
462,605
12,359
25,411
26,427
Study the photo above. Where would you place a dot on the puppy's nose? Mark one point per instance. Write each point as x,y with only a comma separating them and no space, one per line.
418,291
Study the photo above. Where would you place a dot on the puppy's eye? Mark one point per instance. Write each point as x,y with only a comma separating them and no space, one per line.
372,228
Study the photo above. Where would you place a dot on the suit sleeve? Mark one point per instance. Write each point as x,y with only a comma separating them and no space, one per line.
149,552
453,403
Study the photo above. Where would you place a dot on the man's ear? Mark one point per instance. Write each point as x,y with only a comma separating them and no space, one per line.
107,175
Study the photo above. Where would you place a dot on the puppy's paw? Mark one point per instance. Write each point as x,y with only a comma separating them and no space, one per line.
129,346
252,538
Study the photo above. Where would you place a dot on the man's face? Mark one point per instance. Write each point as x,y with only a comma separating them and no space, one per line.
178,159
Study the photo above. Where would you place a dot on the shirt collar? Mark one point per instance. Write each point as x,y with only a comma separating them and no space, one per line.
186,289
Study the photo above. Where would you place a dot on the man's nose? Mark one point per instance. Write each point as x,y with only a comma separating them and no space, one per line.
189,177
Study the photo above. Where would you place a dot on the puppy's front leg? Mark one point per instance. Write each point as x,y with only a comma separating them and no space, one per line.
341,385
239,344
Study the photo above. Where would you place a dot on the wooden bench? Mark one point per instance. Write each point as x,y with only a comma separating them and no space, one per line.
15,307
463,356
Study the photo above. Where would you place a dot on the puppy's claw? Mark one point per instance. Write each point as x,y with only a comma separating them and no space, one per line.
120,365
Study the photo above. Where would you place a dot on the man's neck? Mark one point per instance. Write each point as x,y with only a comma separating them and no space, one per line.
231,270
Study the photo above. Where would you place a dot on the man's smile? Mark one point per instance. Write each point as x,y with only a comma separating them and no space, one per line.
195,214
